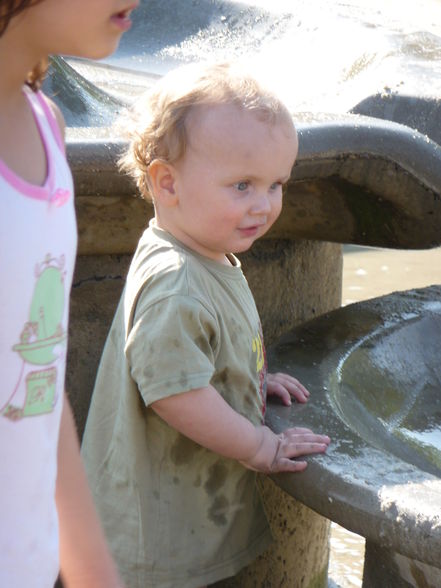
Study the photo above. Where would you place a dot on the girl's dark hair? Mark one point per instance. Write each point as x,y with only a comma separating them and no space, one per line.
9,9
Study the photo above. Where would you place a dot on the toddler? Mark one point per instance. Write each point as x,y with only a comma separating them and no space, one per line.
175,433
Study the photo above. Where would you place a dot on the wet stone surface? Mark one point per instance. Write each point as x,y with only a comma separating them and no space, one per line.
366,483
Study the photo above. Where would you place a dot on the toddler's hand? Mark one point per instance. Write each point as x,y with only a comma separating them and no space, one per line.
285,386
275,452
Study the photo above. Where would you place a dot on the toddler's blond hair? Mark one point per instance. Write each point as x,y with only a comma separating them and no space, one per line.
156,125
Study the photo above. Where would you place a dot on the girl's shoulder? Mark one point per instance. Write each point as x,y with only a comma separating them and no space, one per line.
57,114
54,115
51,112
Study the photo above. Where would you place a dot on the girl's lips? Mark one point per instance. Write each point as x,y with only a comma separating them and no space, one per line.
122,19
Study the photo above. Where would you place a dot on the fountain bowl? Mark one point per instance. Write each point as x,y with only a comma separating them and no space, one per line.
374,374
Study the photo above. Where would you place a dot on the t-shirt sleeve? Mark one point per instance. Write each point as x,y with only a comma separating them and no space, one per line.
171,347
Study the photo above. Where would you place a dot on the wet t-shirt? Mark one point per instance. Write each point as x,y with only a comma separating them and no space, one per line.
175,513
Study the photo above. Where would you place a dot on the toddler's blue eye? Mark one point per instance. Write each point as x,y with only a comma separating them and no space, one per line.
275,186
242,186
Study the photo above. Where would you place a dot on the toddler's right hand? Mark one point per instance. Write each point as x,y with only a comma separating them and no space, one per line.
275,452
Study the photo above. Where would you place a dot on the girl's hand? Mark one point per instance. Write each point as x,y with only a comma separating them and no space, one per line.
276,452
285,386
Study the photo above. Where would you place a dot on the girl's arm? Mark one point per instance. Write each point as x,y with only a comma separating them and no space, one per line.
205,417
84,556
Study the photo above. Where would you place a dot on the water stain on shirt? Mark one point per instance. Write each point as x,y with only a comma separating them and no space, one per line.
248,400
148,372
183,380
223,376
217,475
202,344
217,511
183,450
252,389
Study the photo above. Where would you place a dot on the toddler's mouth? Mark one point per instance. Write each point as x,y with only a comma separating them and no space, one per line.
249,231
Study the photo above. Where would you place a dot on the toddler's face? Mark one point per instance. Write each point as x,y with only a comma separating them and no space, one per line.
229,182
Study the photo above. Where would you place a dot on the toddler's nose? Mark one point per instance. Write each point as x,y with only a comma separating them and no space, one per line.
262,205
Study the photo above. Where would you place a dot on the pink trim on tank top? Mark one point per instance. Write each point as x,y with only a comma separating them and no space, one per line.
53,123
45,191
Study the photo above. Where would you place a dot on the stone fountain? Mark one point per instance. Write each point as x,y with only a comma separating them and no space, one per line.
358,179
374,371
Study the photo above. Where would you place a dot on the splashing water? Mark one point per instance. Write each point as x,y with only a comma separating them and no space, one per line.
321,56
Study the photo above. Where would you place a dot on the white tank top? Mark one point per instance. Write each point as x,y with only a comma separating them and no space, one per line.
37,255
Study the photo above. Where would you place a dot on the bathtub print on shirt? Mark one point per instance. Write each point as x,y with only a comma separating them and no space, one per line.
42,345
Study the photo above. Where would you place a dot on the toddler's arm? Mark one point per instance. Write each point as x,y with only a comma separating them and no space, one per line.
205,417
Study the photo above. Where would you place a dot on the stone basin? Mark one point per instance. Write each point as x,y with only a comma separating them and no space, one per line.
374,373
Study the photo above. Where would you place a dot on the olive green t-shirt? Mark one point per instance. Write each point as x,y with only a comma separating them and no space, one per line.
175,513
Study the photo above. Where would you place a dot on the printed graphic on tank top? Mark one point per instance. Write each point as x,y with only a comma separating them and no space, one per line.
42,344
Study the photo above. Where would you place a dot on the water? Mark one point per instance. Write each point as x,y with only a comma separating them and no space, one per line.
372,272
320,56
347,556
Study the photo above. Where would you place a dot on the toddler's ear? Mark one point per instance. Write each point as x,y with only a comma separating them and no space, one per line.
162,181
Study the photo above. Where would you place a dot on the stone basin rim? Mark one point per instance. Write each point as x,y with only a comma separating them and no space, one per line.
347,486
352,135
357,180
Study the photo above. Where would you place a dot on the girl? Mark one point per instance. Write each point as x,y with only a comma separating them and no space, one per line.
46,511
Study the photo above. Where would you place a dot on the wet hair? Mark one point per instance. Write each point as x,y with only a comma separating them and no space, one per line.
156,125
8,10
